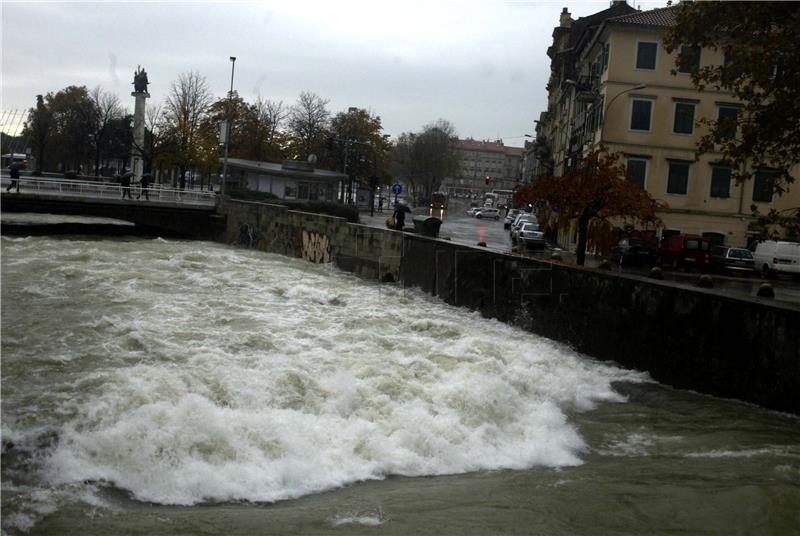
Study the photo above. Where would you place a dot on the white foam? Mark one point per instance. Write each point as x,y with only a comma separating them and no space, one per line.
279,378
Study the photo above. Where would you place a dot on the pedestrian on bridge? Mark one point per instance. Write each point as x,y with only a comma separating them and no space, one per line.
13,171
145,182
125,181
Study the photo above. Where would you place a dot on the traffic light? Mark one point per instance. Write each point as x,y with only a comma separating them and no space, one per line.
488,179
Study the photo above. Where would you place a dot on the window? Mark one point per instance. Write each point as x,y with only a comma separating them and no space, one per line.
684,118
302,190
762,186
720,182
688,59
716,239
727,117
290,190
637,170
678,178
646,55
641,110
605,56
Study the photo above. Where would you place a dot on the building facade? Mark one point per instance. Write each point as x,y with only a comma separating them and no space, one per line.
612,84
290,179
486,165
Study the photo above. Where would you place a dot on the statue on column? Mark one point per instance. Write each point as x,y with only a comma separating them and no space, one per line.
140,80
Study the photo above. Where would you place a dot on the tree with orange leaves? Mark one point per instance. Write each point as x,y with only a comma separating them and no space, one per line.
594,192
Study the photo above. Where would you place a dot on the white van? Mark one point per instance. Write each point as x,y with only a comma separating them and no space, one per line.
777,257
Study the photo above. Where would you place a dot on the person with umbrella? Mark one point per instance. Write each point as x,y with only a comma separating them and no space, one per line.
125,182
13,171
400,215
145,182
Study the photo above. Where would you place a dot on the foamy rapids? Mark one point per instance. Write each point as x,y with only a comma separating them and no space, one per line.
188,372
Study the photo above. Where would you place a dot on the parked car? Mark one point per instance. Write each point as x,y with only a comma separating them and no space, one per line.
724,258
534,225
521,218
685,251
530,237
634,251
773,257
488,212
510,217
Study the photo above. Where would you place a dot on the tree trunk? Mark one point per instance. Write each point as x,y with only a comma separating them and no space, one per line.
583,231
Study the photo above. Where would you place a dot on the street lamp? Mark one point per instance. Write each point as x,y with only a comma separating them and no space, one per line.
607,108
228,128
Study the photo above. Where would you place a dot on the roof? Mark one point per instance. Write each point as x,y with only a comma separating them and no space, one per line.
286,169
488,146
580,26
659,18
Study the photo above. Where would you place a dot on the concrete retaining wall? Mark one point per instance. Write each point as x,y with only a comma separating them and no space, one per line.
737,347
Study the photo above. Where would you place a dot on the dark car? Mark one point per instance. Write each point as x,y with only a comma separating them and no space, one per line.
634,251
724,258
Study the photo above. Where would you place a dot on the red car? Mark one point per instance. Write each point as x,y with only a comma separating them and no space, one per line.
685,251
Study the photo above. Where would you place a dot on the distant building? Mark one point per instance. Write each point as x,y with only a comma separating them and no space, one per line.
486,165
291,179
611,84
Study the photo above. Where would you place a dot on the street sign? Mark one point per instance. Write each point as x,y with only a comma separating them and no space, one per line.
397,189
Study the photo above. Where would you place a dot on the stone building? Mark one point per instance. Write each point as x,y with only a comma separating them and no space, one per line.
611,84
481,159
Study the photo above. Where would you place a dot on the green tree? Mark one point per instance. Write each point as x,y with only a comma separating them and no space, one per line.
38,128
72,116
262,136
358,135
759,41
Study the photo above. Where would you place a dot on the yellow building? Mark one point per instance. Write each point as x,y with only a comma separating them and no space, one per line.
613,85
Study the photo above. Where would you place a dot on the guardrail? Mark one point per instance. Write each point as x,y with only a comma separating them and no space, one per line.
110,190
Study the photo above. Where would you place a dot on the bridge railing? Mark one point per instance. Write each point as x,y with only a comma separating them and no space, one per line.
110,190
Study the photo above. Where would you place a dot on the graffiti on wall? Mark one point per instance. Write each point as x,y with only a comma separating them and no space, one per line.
250,236
316,247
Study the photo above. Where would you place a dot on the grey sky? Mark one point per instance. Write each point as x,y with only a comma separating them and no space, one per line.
481,65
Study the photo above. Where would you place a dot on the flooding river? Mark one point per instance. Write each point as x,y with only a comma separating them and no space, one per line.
175,387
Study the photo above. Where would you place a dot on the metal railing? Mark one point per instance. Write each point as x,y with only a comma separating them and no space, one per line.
109,190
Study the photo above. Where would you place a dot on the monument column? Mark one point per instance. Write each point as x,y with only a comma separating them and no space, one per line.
140,93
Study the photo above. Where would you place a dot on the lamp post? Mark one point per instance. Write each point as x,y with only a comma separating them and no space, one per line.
228,129
607,108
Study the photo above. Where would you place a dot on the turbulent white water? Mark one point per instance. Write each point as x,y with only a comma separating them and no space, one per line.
188,372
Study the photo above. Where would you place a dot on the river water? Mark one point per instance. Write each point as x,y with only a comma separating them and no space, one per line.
175,387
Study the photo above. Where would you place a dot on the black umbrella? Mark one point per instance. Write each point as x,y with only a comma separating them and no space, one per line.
400,206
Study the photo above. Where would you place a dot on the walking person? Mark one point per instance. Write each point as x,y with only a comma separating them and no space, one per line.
13,171
145,182
125,181
380,204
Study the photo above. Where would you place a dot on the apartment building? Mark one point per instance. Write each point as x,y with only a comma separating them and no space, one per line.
481,159
611,84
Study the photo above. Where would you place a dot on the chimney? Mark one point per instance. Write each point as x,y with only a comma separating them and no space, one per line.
566,20
617,2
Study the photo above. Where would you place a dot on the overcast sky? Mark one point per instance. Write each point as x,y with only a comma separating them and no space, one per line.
482,65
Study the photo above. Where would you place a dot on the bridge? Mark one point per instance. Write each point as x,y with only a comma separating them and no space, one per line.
168,211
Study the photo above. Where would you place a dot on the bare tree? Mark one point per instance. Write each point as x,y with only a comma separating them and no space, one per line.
186,104
308,121
107,109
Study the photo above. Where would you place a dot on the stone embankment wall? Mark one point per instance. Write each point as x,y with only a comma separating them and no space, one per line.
737,347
